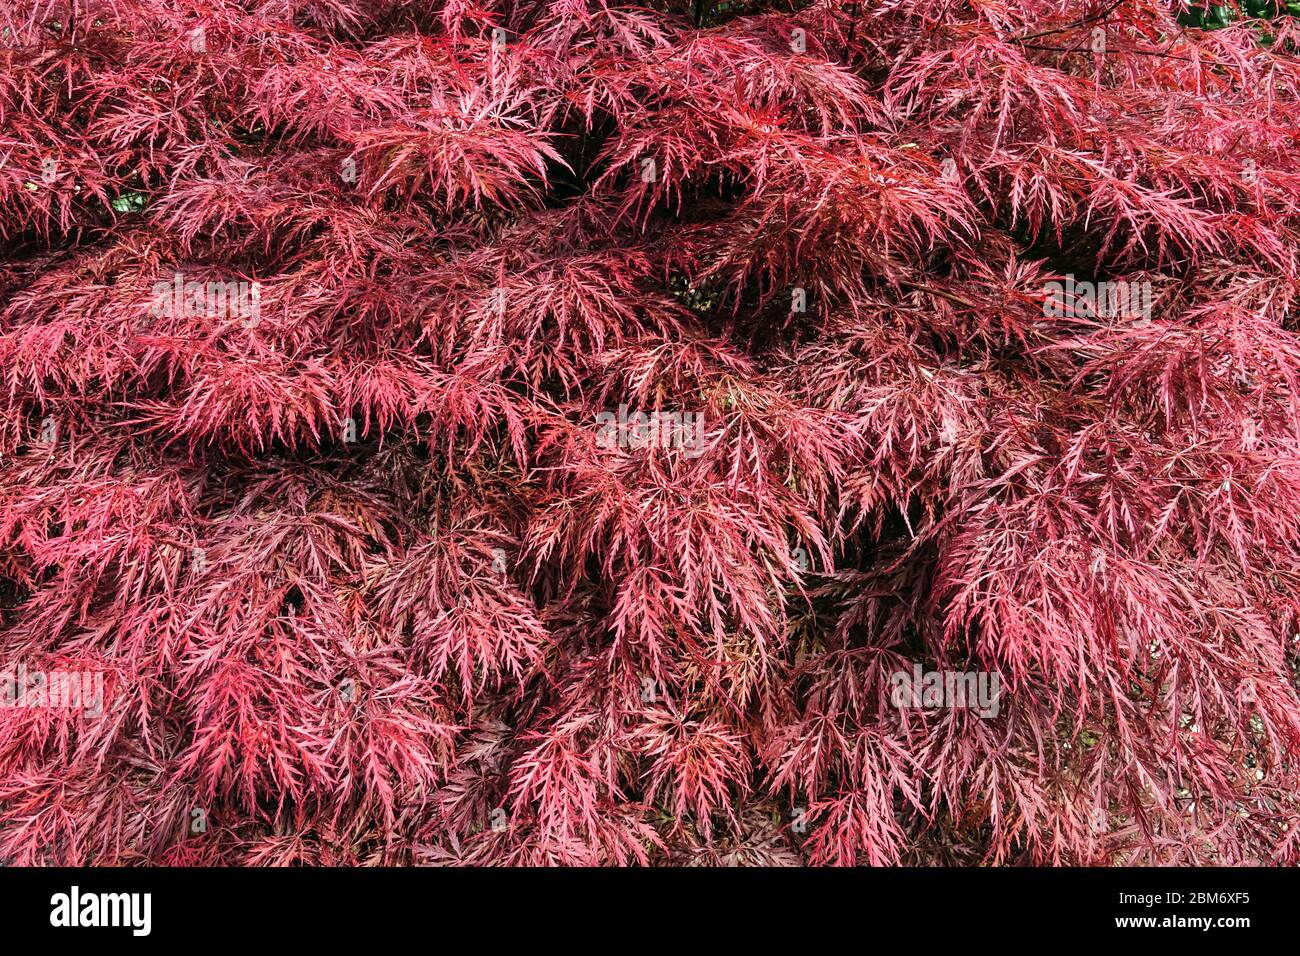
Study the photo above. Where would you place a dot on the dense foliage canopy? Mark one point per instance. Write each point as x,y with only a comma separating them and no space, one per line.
321,322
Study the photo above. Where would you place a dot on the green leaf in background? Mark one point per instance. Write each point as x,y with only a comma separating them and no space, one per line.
130,202
1214,16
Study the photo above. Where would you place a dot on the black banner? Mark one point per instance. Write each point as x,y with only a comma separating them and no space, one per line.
336,907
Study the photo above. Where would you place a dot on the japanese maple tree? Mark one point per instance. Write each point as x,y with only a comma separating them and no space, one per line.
537,432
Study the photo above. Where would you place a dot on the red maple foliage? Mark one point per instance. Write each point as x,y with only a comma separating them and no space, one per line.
538,433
